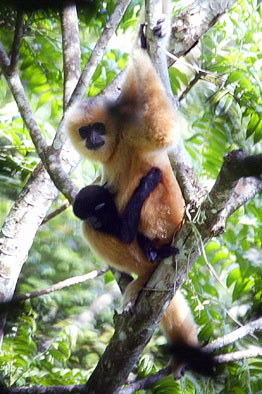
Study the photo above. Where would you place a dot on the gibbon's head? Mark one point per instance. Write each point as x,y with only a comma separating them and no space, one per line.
91,132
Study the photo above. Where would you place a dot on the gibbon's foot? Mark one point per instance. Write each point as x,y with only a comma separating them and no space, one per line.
129,308
161,28
142,35
151,252
131,293
191,357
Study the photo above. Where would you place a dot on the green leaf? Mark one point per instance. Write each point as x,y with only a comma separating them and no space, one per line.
109,277
45,98
57,355
252,124
234,77
218,96
233,276
64,348
258,132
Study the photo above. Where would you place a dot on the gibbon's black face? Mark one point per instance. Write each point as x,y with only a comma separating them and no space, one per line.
93,135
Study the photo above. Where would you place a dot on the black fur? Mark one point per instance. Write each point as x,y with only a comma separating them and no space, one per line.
193,358
151,252
95,204
93,135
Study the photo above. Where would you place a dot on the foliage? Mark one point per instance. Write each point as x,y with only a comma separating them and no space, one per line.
57,339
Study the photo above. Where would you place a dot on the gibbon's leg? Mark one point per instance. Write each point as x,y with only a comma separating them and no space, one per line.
95,204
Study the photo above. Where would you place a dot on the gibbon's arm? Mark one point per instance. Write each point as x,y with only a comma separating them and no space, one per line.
95,205
153,124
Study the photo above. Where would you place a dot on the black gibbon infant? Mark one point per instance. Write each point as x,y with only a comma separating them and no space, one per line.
95,204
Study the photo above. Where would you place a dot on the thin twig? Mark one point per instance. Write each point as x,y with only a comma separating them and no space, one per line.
56,212
235,335
192,83
19,29
251,352
5,306
75,280
146,382
99,50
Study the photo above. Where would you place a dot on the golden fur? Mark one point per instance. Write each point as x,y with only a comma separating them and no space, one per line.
140,128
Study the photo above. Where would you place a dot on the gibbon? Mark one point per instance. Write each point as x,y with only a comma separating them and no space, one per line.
131,138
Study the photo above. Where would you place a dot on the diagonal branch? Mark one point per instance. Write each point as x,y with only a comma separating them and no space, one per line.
75,280
233,187
179,158
99,50
237,164
90,67
235,335
146,382
19,95
251,352
55,213
245,189
190,25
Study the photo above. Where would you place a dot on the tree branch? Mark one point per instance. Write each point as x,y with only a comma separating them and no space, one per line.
71,48
190,25
72,389
75,280
179,158
19,28
237,164
99,50
18,93
245,189
252,352
63,181
235,335
5,306
156,47
56,212
228,193
19,229
69,158
146,382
